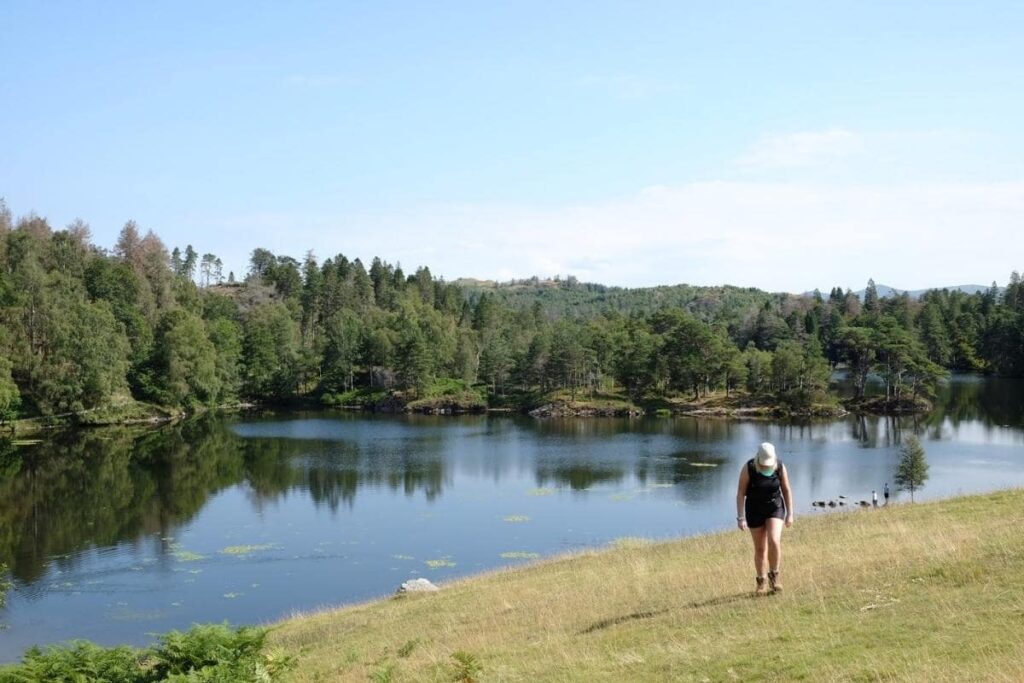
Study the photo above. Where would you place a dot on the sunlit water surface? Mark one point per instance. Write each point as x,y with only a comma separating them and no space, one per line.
113,536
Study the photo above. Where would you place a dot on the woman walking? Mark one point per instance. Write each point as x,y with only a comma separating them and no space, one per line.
764,502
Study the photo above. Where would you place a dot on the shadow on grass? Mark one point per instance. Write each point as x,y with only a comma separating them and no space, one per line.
605,623
634,616
721,600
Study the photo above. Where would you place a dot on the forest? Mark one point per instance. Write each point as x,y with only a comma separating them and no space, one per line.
83,327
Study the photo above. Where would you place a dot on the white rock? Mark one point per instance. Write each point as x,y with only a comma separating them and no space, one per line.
417,586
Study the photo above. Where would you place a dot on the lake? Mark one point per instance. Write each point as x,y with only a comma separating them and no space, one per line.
112,535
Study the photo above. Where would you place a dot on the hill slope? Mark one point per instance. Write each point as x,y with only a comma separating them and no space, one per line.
563,298
926,592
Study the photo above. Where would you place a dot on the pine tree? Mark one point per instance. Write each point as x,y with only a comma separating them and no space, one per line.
912,471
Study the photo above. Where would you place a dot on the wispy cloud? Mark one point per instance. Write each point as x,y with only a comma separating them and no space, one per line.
629,86
808,148
791,236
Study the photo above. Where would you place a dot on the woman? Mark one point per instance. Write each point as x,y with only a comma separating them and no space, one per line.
763,501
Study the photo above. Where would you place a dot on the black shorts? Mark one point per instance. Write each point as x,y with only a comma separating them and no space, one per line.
757,515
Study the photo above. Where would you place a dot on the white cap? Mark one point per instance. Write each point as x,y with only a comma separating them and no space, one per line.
766,455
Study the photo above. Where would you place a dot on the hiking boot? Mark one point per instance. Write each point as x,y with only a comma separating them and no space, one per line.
775,581
762,587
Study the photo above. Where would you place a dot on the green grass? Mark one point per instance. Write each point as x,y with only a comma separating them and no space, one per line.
451,394
356,398
926,592
123,410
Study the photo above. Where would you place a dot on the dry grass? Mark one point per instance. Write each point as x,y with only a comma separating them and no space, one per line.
930,592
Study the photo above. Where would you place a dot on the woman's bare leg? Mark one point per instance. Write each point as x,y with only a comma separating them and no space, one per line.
773,536
760,549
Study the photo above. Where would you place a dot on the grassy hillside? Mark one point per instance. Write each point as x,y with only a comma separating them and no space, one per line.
926,592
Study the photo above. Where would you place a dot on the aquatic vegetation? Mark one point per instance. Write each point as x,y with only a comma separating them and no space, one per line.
187,556
516,519
439,563
620,497
544,491
233,595
520,555
403,557
247,549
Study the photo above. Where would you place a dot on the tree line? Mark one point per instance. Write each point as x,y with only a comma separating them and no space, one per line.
82,327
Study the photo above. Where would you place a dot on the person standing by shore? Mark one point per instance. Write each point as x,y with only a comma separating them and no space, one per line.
885,493
764,503
874,498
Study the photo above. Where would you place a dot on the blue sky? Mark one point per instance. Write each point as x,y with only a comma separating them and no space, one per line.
781,145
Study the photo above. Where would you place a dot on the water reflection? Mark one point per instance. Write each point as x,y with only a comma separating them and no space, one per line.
93,521
97,488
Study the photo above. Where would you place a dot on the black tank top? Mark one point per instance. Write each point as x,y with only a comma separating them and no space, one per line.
762,490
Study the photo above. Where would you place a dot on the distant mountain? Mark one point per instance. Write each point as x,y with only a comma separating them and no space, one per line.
887,291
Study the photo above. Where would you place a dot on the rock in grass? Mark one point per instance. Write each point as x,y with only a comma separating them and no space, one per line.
417,586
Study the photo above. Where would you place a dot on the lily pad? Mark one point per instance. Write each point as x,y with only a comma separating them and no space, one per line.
439,563
516,519
246,549
520,555
187,556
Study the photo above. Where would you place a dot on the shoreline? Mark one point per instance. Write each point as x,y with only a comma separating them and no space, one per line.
39,424
584,592
877,576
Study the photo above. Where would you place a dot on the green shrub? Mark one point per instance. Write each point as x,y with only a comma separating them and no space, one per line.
467,667
211,653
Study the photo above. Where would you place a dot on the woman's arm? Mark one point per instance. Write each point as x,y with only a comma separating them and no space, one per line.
787,494
741,494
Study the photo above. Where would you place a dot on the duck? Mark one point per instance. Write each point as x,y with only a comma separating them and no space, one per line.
864,504
831,503
818,503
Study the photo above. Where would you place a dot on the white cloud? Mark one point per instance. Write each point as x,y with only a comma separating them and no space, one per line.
807,148
790,236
